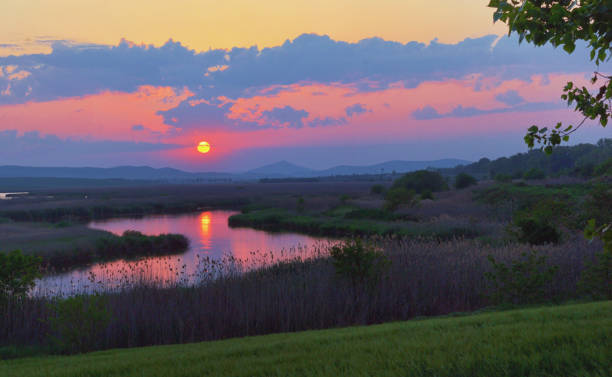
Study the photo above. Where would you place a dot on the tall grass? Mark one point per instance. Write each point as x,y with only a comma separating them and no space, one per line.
568,340
360,222
232,299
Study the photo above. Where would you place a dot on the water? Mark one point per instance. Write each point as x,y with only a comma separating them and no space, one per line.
211,239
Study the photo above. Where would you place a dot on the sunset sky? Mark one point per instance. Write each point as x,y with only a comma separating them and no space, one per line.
317,83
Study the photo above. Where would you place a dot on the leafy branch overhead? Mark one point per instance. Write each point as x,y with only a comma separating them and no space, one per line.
564,23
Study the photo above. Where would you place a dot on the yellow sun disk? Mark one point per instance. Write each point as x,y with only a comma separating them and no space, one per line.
203,147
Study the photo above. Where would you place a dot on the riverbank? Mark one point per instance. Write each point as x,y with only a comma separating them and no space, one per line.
352,221
568,340
64,245
423,278
86,204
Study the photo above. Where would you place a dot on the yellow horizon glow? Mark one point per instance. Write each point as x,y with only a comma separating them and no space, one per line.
206,24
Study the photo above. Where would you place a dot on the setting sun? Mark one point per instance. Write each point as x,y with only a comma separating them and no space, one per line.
203,147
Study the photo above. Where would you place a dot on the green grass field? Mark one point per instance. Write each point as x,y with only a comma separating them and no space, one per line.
569,340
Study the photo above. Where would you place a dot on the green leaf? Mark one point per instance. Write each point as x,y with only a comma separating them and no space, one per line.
569,47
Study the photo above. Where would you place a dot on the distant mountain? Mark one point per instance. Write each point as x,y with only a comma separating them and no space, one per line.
281,169
119,172
284,169
391,166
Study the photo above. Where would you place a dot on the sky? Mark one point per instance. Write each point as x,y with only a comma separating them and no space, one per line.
317,83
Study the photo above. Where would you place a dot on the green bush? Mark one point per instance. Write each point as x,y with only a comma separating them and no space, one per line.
596,279
397,196
523,281
534,173
426,194
422,181
536,231
604,169
464,180
377,189
17,273
300,204
502,178
77,323
362,263
598,205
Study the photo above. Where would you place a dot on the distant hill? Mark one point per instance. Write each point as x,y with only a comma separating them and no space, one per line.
281,169
392,166
580,160
119,172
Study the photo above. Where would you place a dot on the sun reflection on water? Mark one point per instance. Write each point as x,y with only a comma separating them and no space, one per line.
211,240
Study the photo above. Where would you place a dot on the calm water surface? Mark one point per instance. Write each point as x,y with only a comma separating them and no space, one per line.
210,239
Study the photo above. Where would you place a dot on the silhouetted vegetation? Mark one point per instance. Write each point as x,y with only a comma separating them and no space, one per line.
84,214
17,274
131,244
583,160
363,263
566,340
534,173
378,189
463,180
424,278
525,280
346,222
422,181
76,323
397,196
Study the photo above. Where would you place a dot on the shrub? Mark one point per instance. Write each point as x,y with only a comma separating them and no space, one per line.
596,279
464,180
536,231
362,263
426,194
421,181
604,169
534,173
17,273
78,322
502,178
598,204
397,196
377,189
300,204
523,281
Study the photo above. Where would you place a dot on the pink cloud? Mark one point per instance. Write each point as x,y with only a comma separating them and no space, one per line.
107,115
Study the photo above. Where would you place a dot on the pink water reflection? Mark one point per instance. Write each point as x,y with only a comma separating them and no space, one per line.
210,239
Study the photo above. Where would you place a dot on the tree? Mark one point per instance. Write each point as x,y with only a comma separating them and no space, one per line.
397,196
563,23
463,180
18,272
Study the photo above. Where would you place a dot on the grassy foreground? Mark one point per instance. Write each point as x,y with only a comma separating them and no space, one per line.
569,340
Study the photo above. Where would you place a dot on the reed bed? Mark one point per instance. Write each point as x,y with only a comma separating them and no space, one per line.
301,291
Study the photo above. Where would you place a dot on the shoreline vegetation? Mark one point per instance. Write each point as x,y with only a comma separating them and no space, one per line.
566,340
129,245
347,221
63,246
421,278
85,213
